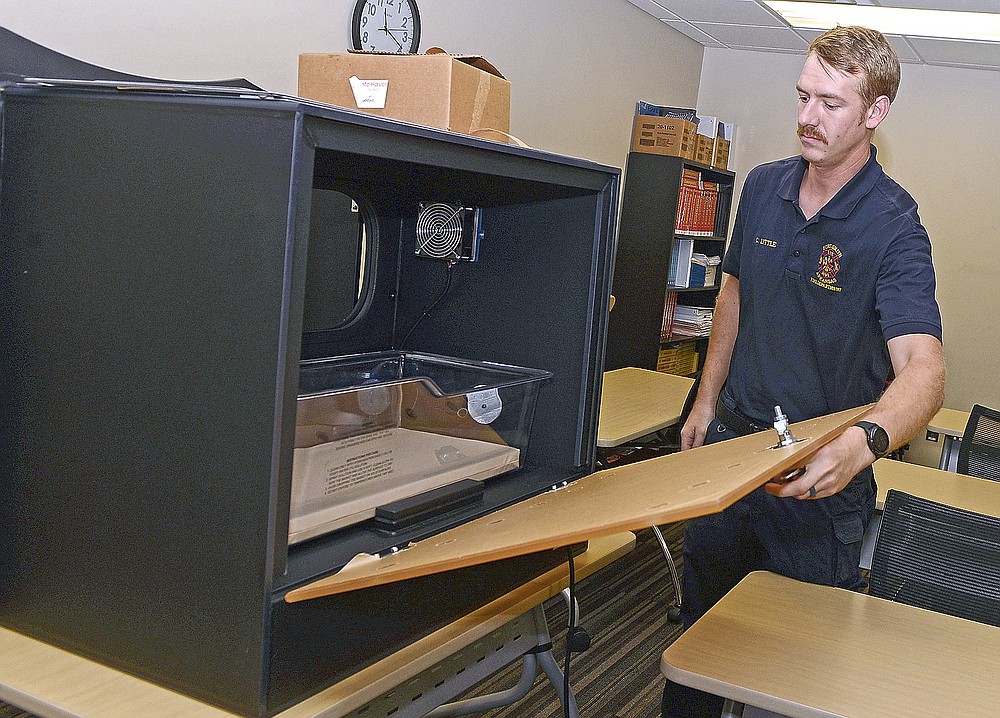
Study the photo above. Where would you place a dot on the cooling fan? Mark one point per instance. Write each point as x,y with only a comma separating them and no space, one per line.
447,231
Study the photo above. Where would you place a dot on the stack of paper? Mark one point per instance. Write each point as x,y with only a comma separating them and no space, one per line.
692,321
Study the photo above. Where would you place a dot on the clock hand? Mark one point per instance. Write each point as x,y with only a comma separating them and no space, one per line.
389,31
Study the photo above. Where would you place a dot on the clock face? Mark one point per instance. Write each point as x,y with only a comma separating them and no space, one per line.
386,26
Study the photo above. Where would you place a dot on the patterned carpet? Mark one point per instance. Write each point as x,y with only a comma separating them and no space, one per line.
623,607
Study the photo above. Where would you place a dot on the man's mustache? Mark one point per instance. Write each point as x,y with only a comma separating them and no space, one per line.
814,133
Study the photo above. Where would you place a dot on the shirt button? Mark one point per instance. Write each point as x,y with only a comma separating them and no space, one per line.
796,253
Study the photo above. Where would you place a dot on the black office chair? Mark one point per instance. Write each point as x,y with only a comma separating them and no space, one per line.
938,557
979,454
670,437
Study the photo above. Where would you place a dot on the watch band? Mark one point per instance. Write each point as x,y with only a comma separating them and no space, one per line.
878,438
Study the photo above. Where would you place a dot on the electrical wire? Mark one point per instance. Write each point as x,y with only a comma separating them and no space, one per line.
431,306
570,630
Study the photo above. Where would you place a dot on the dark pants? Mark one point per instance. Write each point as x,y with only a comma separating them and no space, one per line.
815,541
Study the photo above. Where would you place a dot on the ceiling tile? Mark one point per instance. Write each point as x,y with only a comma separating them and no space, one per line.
653,9
903,50
737,12
955,52
747,24
962,5
693,32
776,38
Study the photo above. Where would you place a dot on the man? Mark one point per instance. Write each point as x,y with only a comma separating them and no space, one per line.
829,286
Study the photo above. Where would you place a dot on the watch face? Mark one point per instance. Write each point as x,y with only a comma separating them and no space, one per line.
879,440
386,26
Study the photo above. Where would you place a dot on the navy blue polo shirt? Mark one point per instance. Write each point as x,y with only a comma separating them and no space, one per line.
820,297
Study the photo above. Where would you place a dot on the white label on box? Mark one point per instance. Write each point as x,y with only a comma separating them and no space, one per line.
369,94
485,406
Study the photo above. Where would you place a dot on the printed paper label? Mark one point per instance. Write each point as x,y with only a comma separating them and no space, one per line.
369,94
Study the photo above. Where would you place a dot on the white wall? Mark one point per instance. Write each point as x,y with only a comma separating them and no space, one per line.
577,67
941,143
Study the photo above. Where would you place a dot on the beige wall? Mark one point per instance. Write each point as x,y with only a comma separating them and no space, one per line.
577,67
940,142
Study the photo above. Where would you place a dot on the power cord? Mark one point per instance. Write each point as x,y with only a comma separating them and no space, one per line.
577,638
570,630
447,285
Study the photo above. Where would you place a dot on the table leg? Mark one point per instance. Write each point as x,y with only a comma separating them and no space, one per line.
868,542
949,453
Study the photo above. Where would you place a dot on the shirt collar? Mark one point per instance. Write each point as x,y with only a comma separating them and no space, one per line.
844,202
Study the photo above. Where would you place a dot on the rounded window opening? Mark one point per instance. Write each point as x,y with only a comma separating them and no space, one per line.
340,250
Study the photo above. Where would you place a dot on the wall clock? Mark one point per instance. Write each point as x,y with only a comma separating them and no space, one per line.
386,25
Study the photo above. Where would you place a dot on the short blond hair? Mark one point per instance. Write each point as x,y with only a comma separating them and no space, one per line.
864,53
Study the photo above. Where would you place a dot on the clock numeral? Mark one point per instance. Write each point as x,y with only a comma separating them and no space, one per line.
406,36
364,36
406,19
364,20
372,9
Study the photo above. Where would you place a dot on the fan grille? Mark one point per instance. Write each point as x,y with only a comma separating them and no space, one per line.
439,230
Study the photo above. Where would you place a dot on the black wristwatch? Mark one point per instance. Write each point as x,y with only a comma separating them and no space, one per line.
878,438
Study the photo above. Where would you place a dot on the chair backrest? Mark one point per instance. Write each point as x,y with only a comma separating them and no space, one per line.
979,454
938,557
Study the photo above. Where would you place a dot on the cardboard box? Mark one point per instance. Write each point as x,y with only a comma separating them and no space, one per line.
720,160
723,142
664,136
704,150
461,93
705,147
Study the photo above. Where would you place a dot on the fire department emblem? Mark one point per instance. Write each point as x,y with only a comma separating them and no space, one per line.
829,264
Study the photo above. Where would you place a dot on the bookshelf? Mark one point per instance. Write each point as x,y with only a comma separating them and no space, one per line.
658,228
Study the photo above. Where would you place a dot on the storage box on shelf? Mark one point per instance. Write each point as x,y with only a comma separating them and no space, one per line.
664,136
678,358
723,144
704,150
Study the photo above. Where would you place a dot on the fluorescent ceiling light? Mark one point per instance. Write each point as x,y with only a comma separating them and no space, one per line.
891,20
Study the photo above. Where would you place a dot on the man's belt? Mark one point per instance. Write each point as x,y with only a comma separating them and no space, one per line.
735,420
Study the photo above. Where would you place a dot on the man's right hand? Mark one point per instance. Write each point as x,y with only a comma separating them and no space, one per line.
694,429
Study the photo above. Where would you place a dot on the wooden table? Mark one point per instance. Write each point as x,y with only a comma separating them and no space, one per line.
949,423
811,651
945,487
636,402
50,682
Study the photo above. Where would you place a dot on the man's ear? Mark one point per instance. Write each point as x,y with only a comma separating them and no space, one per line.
877,112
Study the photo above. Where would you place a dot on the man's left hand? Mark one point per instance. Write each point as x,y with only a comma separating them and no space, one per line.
828,470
